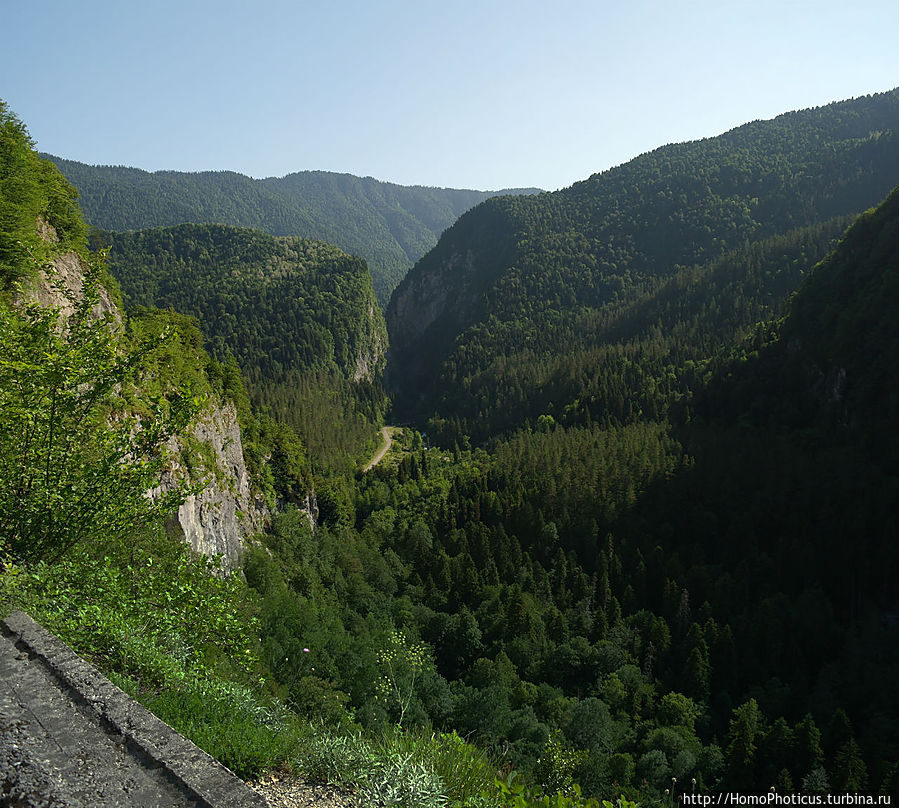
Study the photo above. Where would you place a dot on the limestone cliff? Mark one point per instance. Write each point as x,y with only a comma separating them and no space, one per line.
440,297
371,354
61,282
219,519
426,297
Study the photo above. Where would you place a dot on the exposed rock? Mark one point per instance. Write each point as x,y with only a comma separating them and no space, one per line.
46,230
285,791
428,310
836,384
226,512
219,519
61,284
373,350
426,297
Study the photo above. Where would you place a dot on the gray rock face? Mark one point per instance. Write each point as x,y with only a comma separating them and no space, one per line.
66,274
219,519
430,308
372,353
426,297
226,512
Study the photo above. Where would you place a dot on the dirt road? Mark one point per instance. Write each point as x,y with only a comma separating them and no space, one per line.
387,435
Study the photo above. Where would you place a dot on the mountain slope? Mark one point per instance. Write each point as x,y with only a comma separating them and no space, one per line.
299,316
784,524
110,405
518,282
831,369
391,226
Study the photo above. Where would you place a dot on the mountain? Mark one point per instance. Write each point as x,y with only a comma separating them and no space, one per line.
783,524
299,317
100,396
552,304
390,226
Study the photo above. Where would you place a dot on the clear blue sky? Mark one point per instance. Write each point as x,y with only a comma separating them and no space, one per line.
485,94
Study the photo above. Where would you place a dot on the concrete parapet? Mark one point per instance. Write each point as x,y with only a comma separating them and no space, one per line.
69,737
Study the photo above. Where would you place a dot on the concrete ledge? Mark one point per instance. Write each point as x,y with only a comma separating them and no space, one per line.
164,767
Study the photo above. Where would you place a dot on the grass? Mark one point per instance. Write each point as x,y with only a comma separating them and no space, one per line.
416,769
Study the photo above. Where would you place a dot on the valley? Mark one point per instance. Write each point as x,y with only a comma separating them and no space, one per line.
636,538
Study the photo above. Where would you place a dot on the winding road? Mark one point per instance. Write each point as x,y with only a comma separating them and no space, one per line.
387,435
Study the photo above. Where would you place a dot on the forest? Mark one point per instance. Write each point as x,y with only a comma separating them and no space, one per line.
558,286
390,226
637,537
298,317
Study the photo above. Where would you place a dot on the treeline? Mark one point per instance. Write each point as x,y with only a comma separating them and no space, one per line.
390,226
679,250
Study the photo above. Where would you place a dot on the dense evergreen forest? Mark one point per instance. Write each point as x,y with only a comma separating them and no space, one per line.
643,545
390,226
298,316
525,301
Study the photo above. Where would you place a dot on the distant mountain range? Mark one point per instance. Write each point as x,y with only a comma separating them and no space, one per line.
390,226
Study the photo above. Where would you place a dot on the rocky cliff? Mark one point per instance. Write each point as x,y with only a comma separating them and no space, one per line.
61,282
226,512
442,295
371,353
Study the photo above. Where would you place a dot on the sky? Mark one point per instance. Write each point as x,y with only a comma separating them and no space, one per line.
490,94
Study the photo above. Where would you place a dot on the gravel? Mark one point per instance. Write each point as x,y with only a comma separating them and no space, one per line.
290,791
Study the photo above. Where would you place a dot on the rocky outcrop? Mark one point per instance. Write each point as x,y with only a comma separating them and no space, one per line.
61,282
426,297
219,519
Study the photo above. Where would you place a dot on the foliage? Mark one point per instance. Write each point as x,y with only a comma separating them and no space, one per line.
400,663
170,631
32,191
73,469
299,318
514,793
400,767
555,767
669,560
596,303
390,226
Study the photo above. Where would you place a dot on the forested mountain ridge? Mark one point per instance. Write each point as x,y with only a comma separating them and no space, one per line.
299,316
784,523
389,225
517,282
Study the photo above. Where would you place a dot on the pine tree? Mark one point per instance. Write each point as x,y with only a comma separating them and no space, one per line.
743,737
850,775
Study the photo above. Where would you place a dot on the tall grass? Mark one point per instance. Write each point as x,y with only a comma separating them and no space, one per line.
416,769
